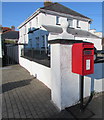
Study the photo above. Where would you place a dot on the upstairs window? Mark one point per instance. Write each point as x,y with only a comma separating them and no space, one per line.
24,29
30,24
36,21
78,26
70,22
57,20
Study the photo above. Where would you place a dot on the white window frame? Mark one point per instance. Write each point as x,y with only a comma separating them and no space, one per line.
43,41
36,22
70,22
37,42
25,29
78,26
30,40
57,20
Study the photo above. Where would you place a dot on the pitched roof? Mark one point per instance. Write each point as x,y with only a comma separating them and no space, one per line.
75,32
62,9
10,35
56,7
5,29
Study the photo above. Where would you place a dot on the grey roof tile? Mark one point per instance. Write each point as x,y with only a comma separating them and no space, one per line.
10,35
62,9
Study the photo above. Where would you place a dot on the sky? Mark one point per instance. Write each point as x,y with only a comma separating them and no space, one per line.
14,13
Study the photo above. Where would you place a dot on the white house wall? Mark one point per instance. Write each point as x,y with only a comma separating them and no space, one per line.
47,19
84,25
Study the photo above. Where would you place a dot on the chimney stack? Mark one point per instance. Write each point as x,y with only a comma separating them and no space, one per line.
13,28
47,3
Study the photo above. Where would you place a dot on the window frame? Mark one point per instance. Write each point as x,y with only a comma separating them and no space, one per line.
57,20
43,41
71,20
78,26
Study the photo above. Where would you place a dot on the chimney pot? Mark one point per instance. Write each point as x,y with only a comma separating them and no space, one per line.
47,3
13,28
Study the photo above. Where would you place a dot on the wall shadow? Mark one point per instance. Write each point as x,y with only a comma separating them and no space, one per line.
12,85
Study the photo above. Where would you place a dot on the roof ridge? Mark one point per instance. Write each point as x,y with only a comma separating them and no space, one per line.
10,31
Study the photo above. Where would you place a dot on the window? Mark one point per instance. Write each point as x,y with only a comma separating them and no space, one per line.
25,29
43,41
78,24
70,22
30,24
57,20
46,40
30,40
37,42
36,21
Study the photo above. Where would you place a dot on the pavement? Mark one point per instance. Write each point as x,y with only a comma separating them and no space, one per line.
23,96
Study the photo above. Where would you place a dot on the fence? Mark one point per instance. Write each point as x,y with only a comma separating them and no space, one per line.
10,55
39,56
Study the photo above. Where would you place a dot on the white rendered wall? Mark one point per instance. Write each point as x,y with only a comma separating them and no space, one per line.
39,71
84,25
47,19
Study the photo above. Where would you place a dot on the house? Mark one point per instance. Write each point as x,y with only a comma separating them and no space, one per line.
9,39
34,31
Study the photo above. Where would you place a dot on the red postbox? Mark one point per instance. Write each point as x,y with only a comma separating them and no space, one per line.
83,58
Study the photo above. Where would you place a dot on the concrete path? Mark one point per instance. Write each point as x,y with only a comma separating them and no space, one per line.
26,97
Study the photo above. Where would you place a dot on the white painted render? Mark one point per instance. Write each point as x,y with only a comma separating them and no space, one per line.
46,19
39,71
